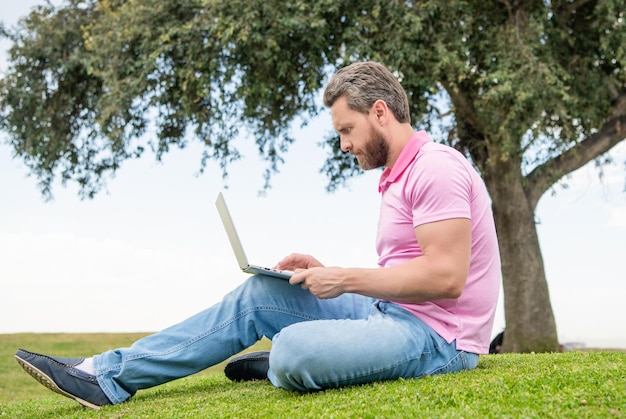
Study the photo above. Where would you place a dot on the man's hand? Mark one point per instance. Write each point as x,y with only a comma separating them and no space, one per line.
321,282
297,261
312,275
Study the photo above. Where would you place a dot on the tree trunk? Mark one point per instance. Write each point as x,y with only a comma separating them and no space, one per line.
530,324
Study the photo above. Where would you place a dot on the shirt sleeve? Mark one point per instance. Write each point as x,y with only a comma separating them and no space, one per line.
442,188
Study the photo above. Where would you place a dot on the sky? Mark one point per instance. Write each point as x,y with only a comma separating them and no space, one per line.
150,250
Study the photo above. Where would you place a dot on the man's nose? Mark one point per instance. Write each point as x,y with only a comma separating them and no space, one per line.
344,144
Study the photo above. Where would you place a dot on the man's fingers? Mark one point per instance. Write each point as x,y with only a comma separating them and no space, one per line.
297,277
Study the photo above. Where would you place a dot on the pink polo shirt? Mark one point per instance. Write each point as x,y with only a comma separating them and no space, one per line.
433,182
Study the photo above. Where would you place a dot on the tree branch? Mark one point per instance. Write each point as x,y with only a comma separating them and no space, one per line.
567,9
462,104
508,6
469,130
610,134
576,4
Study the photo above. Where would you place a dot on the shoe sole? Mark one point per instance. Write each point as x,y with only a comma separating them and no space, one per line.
49,383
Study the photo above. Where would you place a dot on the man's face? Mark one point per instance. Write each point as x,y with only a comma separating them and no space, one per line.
359,135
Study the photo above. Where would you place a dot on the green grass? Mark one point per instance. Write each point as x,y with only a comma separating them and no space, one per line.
566,385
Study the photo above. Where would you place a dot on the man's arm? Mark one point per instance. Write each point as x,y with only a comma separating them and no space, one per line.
439,273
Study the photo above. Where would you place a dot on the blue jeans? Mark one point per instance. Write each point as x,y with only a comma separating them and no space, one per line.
316,344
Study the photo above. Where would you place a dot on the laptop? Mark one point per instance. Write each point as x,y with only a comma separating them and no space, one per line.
233,237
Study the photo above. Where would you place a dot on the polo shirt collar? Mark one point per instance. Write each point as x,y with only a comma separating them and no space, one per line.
407,155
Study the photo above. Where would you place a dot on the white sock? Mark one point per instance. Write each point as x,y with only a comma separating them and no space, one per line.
87,366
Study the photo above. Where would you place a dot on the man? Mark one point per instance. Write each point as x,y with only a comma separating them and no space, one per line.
427,309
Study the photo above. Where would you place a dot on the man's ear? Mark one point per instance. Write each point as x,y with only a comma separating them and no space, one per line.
380,110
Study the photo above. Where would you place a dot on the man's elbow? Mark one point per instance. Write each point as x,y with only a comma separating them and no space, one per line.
454,286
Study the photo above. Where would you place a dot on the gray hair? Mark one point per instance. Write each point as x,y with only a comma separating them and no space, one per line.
363,84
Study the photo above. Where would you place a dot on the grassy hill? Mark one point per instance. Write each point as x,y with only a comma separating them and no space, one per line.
589,384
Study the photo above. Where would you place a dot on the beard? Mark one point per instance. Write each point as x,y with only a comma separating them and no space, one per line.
375,153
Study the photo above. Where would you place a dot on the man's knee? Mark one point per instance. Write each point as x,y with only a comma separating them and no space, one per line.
292,364
255,288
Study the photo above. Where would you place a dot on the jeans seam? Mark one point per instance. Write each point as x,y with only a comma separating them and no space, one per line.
445,366
374,372
213,330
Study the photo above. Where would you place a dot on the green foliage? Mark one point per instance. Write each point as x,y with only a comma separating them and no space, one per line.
97,71
48,97
573,384
96,82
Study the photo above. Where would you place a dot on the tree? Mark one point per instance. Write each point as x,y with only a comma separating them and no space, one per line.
528,90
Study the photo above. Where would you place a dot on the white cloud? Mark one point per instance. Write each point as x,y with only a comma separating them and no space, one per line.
617,218
63,282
